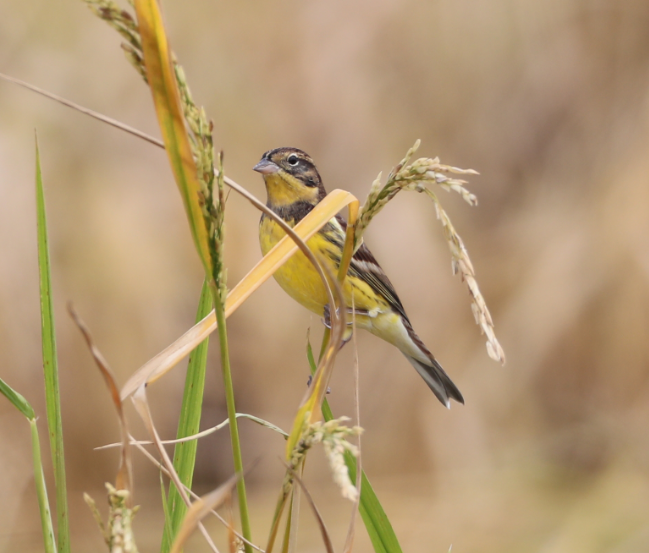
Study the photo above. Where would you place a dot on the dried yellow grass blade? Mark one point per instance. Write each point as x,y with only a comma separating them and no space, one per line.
350,238
124,478
321,214
166,98
200,509
174,353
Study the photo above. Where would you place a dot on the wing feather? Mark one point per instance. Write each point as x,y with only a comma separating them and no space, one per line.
365,266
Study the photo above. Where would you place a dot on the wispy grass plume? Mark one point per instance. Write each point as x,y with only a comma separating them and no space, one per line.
333,436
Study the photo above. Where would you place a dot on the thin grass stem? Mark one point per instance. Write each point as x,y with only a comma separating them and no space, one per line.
219,307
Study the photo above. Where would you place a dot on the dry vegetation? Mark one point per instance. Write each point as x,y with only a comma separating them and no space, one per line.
548,100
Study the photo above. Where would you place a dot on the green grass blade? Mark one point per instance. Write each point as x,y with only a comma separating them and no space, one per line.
189,423
50,368
20,403
41,491
376,521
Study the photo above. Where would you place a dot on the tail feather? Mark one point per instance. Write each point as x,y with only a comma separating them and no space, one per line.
429,369
437,380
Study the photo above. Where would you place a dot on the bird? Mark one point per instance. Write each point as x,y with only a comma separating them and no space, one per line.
294,187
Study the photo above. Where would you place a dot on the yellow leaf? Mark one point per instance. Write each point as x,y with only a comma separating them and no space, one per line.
174,353
162,81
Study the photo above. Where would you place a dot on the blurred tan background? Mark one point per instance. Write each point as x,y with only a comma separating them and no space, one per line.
548,100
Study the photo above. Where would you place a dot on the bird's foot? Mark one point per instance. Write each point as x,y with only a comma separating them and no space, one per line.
326,319
308,384
326,316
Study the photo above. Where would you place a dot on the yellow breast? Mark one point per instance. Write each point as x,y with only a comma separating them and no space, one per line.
297,277
301,281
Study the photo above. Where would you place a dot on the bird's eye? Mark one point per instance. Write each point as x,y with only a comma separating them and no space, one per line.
293,160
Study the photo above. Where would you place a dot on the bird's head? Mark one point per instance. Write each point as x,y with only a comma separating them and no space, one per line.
290,176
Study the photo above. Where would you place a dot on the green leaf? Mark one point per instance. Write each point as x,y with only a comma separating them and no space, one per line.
18,401
189,423
376,521
50,367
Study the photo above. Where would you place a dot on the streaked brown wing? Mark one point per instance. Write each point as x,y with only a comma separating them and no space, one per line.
367,268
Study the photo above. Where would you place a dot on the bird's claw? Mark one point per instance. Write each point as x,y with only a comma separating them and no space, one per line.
326,319
308,384
326,316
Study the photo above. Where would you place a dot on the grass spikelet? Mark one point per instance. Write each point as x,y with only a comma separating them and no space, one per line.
416,177
333,436
461,263
124,23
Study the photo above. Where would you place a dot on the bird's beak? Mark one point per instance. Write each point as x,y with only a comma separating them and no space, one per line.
266,167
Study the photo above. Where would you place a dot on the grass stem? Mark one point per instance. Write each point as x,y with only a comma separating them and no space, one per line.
219,308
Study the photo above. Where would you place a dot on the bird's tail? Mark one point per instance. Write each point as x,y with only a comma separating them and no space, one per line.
430,370
437,380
